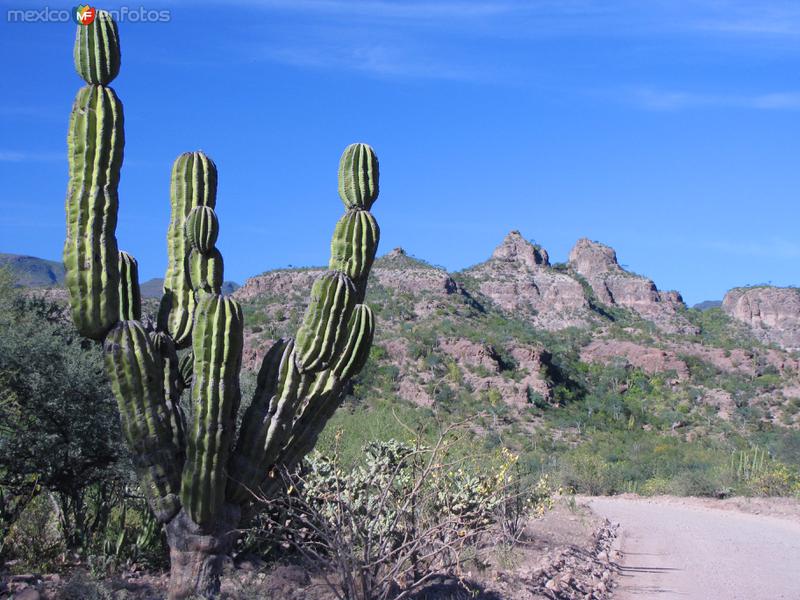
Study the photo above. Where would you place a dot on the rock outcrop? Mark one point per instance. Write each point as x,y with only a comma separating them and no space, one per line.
519,279
614,286
483,368
772,313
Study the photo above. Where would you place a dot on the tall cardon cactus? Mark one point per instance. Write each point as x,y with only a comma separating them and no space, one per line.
198,473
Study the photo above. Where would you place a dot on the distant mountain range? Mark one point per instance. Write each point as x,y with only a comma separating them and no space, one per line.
34,272
41,273
706,304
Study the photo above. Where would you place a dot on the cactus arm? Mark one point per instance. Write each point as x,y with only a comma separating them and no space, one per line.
193,183
291,406
95,141
267,421
185,371
358,176
134,368
325,395
324,325
353,247
217,341
96,52
170,366
130,298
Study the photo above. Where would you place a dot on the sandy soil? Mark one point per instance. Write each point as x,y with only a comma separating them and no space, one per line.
689,548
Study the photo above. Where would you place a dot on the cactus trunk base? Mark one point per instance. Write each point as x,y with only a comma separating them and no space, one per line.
198,555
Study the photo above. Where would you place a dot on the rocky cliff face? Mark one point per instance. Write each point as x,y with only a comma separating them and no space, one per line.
519,279
772,313
614,286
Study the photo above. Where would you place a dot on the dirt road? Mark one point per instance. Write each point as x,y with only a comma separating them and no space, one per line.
681,548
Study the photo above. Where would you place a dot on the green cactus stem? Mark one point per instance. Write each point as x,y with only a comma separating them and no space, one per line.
355,351
202,228
354,243
185,370
194,183
358,176
95,141
130,298
206,271
170,367
325,322
134,368
96,53
217,345
266,423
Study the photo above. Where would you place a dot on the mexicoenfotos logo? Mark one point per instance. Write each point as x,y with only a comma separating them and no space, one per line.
84,14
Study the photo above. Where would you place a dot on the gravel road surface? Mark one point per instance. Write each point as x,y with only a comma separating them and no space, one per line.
683,549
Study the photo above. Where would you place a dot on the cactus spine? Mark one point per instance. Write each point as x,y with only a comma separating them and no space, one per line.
197,478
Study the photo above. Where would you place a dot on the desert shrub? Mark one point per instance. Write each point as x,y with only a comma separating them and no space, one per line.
754,472
35,537
776,480
586,472
696,482
656,486
59,426
406,514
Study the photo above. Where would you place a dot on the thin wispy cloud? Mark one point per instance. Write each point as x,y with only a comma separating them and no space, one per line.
22,157
381,60
27,111
672,100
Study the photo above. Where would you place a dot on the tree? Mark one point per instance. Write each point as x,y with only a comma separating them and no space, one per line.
58,418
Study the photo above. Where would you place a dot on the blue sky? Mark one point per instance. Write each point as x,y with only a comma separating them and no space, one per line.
667,129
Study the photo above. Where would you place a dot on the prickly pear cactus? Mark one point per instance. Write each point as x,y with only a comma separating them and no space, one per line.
196,476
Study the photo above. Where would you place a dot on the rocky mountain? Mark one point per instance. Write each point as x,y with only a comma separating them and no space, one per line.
521,331
772,313
614,286
518,278
33,272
